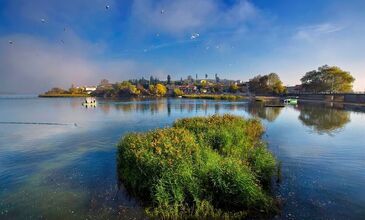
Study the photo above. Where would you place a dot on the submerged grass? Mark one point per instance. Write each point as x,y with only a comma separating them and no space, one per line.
202,167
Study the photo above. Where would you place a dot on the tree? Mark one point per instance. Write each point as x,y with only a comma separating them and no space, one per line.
203,83
267,84
151,88
126,88
133,90
328,79
104,82
233,88
160,89
274,84
152,80
56,90
168,79
217,78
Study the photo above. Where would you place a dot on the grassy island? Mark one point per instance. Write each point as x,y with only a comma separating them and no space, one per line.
202,167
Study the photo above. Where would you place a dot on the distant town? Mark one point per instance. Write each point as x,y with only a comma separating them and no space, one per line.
327,79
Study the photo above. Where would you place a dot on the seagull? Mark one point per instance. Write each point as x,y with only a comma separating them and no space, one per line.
43,20
107,7
194,36
162,11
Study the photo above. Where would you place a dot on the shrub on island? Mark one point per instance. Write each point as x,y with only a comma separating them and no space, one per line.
202,167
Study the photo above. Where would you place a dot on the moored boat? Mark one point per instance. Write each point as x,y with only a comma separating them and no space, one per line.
89,101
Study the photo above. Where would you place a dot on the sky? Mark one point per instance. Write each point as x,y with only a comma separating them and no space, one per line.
49,43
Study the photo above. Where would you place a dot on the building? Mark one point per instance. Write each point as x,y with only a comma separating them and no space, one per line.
89,89
294,89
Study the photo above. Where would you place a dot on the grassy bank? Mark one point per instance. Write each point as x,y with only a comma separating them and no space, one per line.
203,167
216,97
62,95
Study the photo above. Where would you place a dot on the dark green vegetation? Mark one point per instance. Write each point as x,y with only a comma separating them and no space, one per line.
328,79
202,167
213,96
71,92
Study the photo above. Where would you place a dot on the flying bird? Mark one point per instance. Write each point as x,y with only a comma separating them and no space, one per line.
43,20
194,36
107,7
162,11
11,42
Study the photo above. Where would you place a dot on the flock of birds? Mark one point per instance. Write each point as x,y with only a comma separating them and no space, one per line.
107,7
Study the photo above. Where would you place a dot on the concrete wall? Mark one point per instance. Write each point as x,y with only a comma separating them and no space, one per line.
356,98
350,98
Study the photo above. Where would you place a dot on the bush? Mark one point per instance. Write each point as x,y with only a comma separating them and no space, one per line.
214,167
178,92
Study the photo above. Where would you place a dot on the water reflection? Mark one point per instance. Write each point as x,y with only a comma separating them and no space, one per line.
170,105
258,109
323,119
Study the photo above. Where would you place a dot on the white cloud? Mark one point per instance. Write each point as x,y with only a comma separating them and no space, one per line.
181,17
311,32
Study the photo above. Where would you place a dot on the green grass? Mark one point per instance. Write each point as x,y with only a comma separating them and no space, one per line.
202,167
215,97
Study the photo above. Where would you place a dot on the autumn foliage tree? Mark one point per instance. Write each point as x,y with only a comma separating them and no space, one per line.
328,79
267,84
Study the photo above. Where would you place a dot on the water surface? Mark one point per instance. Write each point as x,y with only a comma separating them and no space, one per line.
57,158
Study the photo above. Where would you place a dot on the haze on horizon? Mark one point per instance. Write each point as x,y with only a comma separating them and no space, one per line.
48,43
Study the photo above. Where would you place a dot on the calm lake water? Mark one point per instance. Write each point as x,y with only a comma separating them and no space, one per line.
58,159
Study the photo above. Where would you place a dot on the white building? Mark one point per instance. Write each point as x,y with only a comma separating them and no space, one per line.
90,89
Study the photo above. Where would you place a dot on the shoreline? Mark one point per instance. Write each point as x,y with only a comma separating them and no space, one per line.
210,97
63,96
215,96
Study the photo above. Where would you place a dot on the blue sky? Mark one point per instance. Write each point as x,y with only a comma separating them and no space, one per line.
56,43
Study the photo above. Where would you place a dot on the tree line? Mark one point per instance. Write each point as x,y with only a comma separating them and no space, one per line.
326,79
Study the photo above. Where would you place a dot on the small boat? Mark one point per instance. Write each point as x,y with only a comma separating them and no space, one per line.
291,101
89,102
